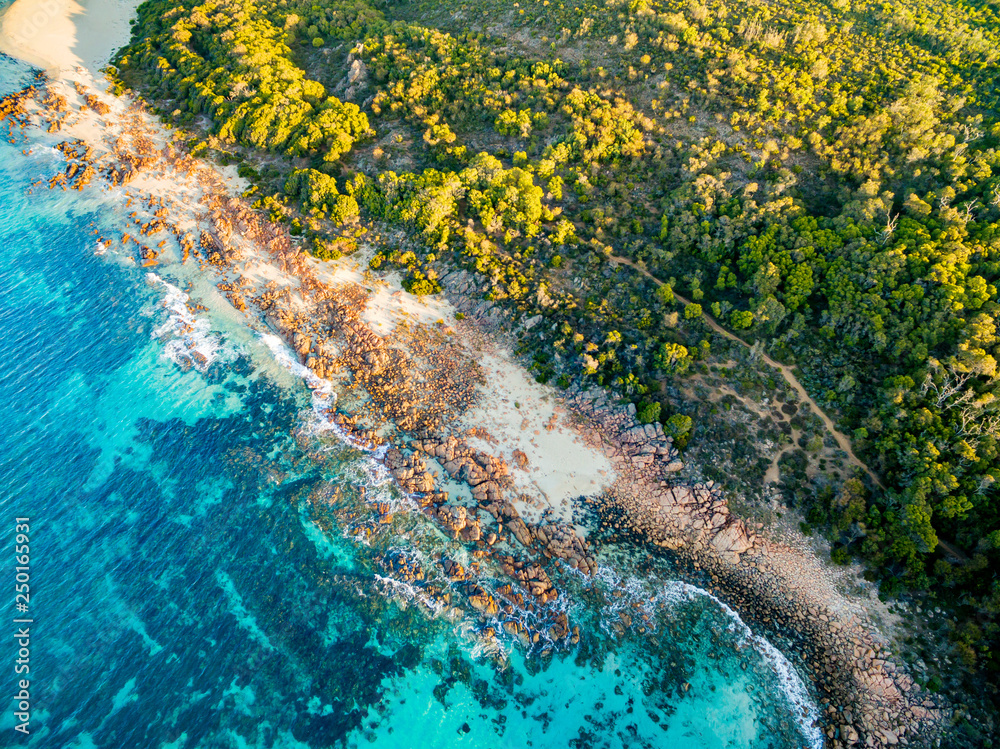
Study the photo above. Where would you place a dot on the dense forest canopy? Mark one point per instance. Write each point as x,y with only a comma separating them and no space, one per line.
821,176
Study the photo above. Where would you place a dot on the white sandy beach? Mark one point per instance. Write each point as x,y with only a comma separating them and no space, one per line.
58,36
527,417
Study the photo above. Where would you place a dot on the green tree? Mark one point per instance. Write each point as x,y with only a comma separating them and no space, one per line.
648,412
672,358
679,427
740,319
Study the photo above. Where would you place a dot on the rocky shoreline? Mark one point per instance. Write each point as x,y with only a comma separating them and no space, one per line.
402,397
867,699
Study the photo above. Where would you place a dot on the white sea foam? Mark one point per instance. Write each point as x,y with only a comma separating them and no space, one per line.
46,153
482,647
648,597
322,390
371,473
188,340
324,399
377,474
468,628
408,592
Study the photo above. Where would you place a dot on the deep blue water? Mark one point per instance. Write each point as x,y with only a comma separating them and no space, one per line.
187,588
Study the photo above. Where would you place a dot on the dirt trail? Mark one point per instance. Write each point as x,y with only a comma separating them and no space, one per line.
842,441
773,474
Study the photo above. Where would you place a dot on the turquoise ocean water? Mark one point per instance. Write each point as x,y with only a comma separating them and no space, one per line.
188,589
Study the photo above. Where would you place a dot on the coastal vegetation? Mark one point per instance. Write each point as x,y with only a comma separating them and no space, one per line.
821,179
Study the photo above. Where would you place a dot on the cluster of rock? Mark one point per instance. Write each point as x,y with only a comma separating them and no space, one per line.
488,477
96,104
56,110
647,498
79,169
493,533
531,587
466,294
14,111
403,566
416,382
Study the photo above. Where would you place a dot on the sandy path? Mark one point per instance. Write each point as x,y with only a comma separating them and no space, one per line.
842,441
